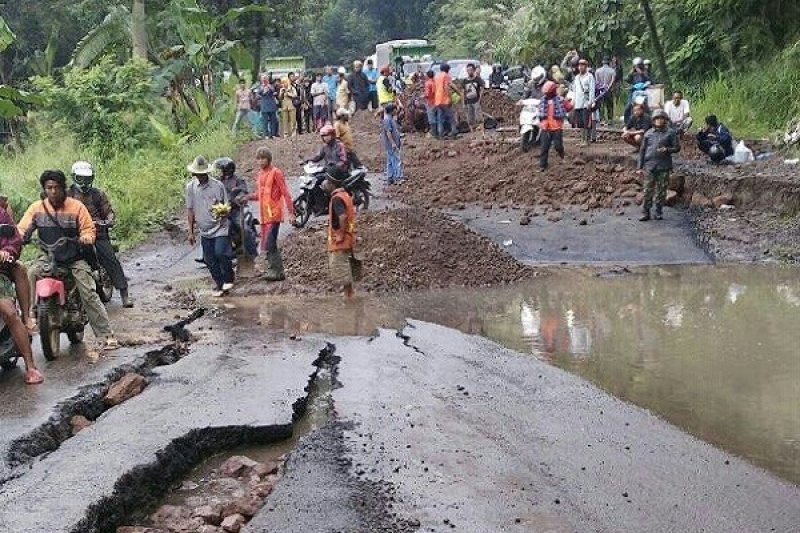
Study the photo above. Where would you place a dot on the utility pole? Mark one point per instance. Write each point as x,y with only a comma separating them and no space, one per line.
139,30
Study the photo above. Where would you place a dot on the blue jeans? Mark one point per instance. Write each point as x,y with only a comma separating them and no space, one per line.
394,166
217,255
431,113
444,118
269,120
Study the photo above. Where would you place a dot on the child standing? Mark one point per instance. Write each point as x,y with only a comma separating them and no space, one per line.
552,111
391,142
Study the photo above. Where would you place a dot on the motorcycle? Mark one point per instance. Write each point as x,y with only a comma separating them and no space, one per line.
245,244
58,304
314,200
105,285
528,123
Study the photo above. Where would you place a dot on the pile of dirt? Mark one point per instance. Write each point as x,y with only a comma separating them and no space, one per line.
494,172
501,107
401,250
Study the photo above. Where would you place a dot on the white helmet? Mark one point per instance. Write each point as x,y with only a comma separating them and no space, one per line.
647,62
83,175
82,168
342,70
637,61
538,74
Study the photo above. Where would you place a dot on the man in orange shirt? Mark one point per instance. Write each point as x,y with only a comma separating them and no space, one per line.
271,193
430,102
444,107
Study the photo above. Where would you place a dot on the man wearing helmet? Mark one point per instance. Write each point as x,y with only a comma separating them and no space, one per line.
655,157
715,140
535,87
552,111
333,151
57,216
99,207
237,190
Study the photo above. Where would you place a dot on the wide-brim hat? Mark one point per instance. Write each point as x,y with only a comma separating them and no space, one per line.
198,166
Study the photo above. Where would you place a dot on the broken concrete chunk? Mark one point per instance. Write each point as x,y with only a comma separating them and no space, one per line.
265,469
210,514
79,423
247,506
176,518
124,389
233,523
238,465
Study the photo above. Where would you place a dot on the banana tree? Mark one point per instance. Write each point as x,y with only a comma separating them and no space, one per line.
12,100
190,69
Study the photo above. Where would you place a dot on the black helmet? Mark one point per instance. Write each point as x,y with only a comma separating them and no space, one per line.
226,166
716,151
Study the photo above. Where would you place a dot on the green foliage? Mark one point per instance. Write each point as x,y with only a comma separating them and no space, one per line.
107,106
145,186
469,28
757,100
113,32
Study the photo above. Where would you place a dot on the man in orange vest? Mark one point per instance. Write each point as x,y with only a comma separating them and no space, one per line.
341,230
271,193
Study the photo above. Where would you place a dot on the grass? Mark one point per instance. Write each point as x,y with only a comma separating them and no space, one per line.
146,186
757,102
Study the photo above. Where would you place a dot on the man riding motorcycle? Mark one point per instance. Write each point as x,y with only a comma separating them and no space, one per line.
333,151
58,216
99,207
238,193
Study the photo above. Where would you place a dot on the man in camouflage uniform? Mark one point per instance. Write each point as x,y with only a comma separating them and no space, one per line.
655,157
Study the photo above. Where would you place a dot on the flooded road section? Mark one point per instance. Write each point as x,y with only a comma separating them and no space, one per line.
713,350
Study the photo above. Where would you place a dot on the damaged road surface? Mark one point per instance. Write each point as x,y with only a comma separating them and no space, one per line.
463,434
227,392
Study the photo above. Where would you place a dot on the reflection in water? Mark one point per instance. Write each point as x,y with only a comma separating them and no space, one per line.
714,350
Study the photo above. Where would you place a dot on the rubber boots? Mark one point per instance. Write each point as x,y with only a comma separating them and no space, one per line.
645,216
274,270
659,213
126,299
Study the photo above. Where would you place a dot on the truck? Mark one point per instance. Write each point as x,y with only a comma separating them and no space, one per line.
394,53
280,67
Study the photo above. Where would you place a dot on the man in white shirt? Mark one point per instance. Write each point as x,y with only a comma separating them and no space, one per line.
583,88
319,93
678,112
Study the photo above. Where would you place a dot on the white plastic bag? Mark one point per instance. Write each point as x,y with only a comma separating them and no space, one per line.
742,154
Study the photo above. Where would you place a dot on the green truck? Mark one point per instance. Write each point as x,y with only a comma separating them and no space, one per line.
282,66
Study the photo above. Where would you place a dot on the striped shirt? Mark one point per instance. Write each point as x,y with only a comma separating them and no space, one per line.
71,220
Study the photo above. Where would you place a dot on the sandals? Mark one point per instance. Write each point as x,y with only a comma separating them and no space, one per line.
32,327
33,377
110,344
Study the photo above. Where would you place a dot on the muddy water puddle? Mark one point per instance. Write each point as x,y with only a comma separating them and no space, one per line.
713,350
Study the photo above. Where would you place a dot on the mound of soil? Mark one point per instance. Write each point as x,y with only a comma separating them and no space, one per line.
501,107
493,171
402,249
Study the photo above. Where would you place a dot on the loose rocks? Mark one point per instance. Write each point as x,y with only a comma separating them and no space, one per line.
125,388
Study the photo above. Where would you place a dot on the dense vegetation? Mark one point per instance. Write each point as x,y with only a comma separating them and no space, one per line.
137,87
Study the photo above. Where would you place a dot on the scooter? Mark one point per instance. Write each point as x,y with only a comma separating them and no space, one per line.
528,123
58,304
314,200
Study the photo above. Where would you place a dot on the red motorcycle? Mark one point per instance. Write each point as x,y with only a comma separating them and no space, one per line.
58,304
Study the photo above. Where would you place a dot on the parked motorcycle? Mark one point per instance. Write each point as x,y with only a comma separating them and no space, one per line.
314,200
528,123
58,305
